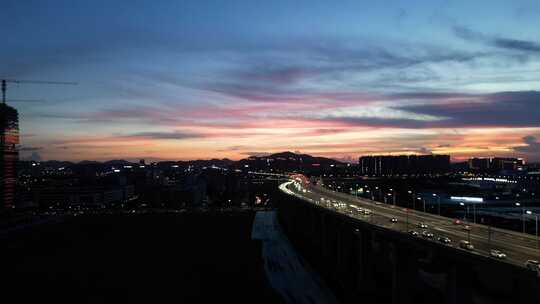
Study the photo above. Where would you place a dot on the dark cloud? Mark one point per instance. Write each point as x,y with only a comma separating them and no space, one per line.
504,109
431,95
519,45
233,148
466,33
424,150
532,146
34,156
29,148
163,135
258,154
500,42
376,122
275,75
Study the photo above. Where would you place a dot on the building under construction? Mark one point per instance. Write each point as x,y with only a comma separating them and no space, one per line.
9,154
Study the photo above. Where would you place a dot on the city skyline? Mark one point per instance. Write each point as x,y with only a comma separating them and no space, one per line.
199,80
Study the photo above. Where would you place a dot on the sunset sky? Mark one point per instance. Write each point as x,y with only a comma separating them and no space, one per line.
214,79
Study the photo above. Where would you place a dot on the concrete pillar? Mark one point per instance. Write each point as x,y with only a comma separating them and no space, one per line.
404,270
451,292
365,282
464,283
324,238
360,272
339,258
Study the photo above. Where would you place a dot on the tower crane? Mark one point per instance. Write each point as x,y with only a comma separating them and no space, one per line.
16,81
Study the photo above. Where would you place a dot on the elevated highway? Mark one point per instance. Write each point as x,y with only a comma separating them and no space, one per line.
518,247
370,253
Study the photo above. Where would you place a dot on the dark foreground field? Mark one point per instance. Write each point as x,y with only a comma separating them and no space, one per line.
147,258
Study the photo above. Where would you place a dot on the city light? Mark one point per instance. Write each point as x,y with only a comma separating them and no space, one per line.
467,199
201,151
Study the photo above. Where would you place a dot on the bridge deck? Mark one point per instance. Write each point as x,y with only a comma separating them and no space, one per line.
518,247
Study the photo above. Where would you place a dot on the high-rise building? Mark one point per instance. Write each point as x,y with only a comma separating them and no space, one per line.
495,164
9,154
404,164
480,164
506,163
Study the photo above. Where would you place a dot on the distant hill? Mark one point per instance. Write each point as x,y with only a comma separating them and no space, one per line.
56,163
117,162
287,161
88,162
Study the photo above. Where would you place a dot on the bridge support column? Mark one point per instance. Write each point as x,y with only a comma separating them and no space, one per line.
324,236
403,273
463,283
339,252
364,275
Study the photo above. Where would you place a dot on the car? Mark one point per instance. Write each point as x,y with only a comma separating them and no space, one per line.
533,265
367,212
413,233
457,222
427,234
466,228
466,245
422,225
393,220
497,254
444,240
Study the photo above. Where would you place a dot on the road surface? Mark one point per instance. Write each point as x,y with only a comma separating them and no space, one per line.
518,247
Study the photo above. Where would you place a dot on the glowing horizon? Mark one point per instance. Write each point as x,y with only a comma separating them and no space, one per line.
201,80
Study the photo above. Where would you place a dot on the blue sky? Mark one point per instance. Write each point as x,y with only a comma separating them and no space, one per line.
201,79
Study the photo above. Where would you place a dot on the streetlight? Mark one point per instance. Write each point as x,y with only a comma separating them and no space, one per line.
474,212
413,200
522,215
386,198
393,196
372,195
488,219
438,202
469,228
466,215
529,212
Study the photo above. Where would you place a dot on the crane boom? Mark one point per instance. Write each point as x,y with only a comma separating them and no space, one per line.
6,81
39,81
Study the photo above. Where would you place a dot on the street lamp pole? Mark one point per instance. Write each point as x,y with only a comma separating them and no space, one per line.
535,226
407,219
489,235
522,216
469,229
413,197
522,212
438,203
474,212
